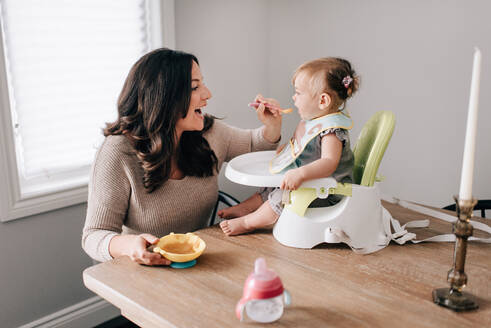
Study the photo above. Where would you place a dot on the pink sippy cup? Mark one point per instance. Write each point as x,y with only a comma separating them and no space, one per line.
264,296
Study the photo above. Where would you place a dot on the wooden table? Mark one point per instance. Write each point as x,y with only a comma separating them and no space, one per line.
331,286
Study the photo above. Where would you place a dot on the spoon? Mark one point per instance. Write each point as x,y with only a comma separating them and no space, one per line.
269,106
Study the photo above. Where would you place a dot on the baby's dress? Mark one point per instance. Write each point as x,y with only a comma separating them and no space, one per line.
312,152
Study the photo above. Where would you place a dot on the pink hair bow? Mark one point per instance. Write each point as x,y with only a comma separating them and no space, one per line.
347,81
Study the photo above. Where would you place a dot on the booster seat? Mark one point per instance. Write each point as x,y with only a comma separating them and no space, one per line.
358,220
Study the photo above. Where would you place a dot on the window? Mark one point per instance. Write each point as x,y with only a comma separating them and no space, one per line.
62,66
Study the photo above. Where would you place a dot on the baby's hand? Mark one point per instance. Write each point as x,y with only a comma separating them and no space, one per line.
292,179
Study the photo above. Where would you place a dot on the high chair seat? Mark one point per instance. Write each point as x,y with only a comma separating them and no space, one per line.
358,219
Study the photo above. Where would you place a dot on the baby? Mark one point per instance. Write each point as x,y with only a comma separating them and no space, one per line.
319,148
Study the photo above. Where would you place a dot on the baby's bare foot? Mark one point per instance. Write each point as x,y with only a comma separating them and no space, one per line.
246,207
233,211
234,226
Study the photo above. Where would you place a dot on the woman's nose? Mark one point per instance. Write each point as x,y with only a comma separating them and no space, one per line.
207,93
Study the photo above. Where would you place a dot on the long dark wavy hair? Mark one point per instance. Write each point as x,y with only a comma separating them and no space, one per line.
155,95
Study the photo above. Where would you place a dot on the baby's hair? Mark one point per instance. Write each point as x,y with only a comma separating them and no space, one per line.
331,75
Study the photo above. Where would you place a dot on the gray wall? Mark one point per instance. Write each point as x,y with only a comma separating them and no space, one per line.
414,57
41,265
231,41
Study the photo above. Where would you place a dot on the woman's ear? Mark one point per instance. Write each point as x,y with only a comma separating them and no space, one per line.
324,101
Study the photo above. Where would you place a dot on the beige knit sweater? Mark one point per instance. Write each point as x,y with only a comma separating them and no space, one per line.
118,202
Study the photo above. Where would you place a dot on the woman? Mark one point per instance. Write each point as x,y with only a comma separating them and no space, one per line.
157,170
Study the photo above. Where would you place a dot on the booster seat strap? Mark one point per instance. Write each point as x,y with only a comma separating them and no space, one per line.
344,189
300,199
439,215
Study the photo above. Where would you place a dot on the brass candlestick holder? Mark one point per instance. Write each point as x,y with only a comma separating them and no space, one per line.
454,298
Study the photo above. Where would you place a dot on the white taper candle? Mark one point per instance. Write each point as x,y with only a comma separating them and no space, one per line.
471,129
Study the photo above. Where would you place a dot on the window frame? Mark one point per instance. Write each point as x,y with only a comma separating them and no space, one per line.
13,205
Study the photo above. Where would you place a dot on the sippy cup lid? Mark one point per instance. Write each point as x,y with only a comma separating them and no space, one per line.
262,283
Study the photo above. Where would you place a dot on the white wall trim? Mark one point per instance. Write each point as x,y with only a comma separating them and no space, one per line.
160,14
154,25
88,313
8,162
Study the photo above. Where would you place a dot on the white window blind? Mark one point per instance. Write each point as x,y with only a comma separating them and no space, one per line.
66,62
